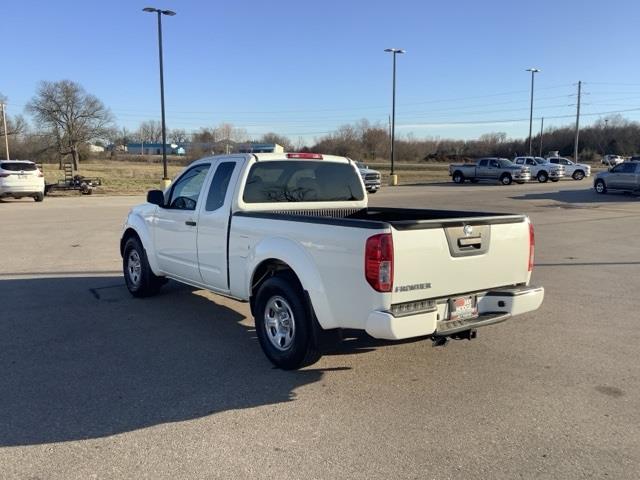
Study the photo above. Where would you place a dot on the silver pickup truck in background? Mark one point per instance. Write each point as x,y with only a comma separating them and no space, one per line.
491,168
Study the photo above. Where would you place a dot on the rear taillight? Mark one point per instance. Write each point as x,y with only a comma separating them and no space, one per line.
40,174
378,262
532,246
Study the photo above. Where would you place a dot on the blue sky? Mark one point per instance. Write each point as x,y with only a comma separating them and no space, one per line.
303,68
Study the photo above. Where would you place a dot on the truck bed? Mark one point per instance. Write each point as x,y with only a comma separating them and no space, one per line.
398,218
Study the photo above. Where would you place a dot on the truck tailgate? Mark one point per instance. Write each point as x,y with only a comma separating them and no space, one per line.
449,258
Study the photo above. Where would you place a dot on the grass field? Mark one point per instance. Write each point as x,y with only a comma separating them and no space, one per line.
136,178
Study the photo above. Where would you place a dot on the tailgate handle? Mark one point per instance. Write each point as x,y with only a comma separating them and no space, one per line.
470,242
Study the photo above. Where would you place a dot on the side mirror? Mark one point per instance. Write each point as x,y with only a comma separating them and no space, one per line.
156,197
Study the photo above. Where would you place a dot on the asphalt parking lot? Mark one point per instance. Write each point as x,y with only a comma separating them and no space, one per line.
96,384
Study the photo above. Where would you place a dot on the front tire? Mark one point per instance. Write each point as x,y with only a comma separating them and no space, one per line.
284,324
138,276
578,175
38,197
600,187
506,179
543,177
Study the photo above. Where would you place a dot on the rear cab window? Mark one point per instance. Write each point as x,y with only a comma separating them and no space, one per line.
302,181
18,166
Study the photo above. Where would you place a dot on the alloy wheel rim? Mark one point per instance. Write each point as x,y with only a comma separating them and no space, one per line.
279,323
134,267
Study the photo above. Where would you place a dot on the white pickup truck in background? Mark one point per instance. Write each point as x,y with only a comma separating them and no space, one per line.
292,234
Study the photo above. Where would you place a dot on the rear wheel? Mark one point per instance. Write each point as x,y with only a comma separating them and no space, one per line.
578,175
38,197
138,276
284,324
458,177
543,177
506,179
600,186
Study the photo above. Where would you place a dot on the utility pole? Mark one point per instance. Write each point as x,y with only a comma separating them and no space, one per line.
6,133
394,51
575,147
541,130
533,72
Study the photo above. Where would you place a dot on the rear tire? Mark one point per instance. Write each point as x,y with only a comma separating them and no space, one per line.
458,177
506,179
578,175
600,187
138,276
543,177
284,324
38,197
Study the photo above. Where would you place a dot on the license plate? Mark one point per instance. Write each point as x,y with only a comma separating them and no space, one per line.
22,177
463,308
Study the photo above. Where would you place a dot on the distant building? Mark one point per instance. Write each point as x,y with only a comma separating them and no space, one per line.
260,148
155,149
95,148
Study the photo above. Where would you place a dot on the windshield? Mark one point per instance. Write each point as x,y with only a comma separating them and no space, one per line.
302,181
505,163
539,161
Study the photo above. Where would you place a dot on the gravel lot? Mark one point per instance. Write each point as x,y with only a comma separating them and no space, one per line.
95,384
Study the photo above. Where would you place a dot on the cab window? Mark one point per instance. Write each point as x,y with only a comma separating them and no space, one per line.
186,190
219,186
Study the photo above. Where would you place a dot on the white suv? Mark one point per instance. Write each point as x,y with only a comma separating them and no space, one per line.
577,171
21,178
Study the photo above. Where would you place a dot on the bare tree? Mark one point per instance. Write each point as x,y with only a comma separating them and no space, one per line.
70,115
272,137
178,135
150,131
229,134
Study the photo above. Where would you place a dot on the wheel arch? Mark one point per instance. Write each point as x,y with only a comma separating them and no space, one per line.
283,256
142,234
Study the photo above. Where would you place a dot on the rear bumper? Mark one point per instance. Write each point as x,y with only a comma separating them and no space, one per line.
494,306
20,192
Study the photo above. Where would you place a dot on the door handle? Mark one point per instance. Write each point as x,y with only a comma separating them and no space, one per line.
191,223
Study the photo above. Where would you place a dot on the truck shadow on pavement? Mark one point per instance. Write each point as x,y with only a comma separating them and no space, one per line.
81,359
588,195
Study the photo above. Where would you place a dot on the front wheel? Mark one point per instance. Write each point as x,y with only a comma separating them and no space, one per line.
38,197
543,177
506,179
554,180
284,324
138,276
600,187
578,175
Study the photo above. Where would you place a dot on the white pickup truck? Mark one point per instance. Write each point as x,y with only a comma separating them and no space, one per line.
292,234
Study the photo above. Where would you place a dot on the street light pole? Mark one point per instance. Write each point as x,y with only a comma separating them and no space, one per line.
6,133
533,72
165,178
394,51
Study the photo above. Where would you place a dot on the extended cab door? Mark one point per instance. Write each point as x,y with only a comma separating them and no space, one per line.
176,227
213,225
482,168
